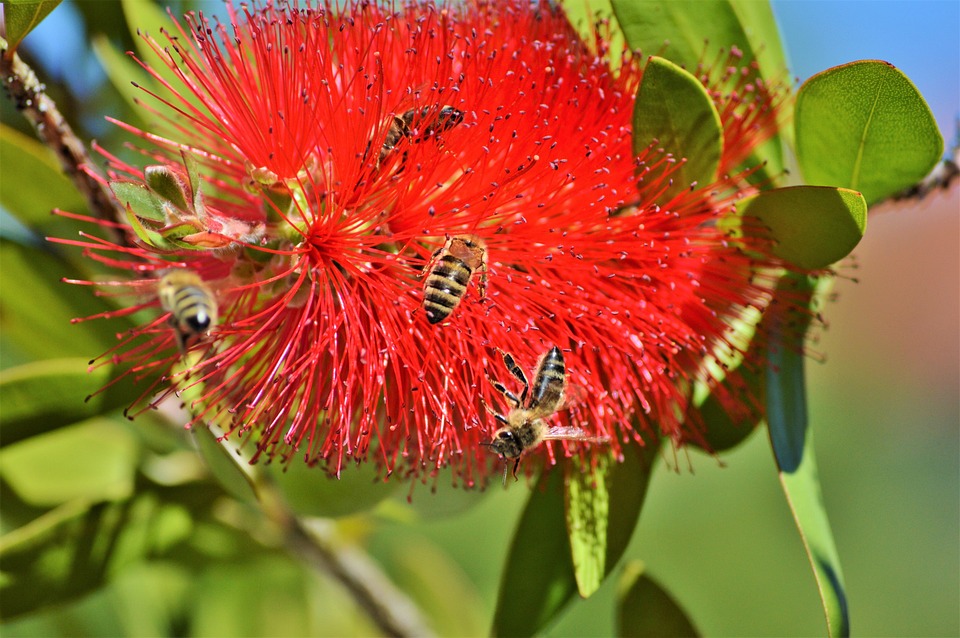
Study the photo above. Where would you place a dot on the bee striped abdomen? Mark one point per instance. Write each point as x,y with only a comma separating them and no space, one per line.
450,270
445,286
194,309
191,304
550,382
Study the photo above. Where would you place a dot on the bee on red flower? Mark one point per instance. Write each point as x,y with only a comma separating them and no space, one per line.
264,185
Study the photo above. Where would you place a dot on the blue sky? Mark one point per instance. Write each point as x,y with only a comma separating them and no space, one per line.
920,37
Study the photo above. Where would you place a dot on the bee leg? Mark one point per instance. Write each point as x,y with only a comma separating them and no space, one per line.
499,417
506,466
499,387
516,466
518,373
482,283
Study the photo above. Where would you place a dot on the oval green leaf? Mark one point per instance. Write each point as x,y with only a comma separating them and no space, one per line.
792,442
674,109
588,509
537,579
33,183
22,16
644,608
689,31
602,510
93,461
36,308
680,30
224,466
45,395
310,491
812,226
865,126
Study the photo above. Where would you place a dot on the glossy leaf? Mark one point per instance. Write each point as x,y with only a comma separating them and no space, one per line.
309,491
679,30
122,72
792,442
94,461
537,579
36,308
674,109
688,31
588,509
77,547
225,465
644,608
812,226
140,200
865,126
62,384
166,182
33,183
22,16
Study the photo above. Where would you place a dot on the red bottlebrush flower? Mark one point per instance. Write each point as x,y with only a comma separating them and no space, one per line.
339,149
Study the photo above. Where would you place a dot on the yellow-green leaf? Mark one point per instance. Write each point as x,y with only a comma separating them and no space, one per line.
812,226
865,126
674,109
645,609
22,16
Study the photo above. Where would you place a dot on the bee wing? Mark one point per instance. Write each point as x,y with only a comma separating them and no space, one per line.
571,433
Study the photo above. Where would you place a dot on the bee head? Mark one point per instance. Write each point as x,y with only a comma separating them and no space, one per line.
506,444
198,322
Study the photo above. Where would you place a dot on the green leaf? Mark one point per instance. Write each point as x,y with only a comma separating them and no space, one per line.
865,126
792,442
36,308
122,72
193,175
644,608
583,15
538,579
588,509
673,108
33,183
687,25
62,385
310,491
75,548
602,511
22,16
224,466
139,200
165,182
93,461
812,226
688,31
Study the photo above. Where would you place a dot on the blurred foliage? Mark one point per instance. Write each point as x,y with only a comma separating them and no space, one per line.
118,528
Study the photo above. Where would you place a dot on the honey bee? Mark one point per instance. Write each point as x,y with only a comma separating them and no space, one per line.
191,304
451,268
417,126
524,427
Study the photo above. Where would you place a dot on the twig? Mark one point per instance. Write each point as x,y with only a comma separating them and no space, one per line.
30,98
317,544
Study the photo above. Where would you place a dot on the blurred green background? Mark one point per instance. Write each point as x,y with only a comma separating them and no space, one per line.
885,407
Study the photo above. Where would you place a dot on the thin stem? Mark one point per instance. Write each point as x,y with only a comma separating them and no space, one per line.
317,543
31,99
